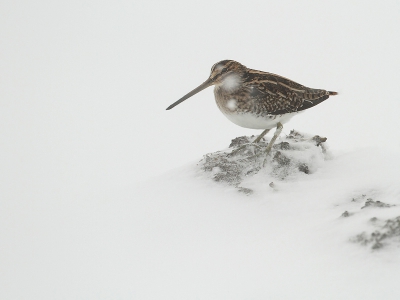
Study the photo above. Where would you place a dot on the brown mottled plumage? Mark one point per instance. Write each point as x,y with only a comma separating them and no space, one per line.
271,94
256,99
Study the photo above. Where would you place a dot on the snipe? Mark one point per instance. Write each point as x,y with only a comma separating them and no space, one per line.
256,99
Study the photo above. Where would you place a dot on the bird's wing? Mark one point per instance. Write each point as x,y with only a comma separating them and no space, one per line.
278,95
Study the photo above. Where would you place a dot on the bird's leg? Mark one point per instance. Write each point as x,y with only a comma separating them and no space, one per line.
257,140
278,131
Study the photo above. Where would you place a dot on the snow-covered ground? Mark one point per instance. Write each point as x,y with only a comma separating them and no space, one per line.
287,242
182,235
201,239
102,192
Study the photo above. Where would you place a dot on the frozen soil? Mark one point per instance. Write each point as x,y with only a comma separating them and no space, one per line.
387,233
292,154
380,232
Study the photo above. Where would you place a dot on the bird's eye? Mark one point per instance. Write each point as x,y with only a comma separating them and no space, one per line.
224,70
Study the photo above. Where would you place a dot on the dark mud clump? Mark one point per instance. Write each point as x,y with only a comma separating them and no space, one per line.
371,203
295,153
388,232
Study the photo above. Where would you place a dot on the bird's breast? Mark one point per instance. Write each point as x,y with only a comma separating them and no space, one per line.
249,120
243,110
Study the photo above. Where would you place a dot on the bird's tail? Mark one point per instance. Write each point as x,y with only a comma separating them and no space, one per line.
332,93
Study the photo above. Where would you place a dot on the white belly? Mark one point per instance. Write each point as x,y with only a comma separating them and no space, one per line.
252,121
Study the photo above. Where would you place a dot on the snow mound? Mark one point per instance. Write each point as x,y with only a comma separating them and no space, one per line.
297,153
361,187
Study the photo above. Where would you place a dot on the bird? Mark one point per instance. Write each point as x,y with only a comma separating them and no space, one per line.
256,99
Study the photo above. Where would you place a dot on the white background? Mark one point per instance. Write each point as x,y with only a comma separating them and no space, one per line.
83,91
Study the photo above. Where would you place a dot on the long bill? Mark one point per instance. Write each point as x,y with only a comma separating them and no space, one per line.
201,87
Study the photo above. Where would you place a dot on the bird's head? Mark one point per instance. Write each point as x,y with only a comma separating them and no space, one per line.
226,74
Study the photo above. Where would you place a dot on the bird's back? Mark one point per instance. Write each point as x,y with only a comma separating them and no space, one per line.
276,95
